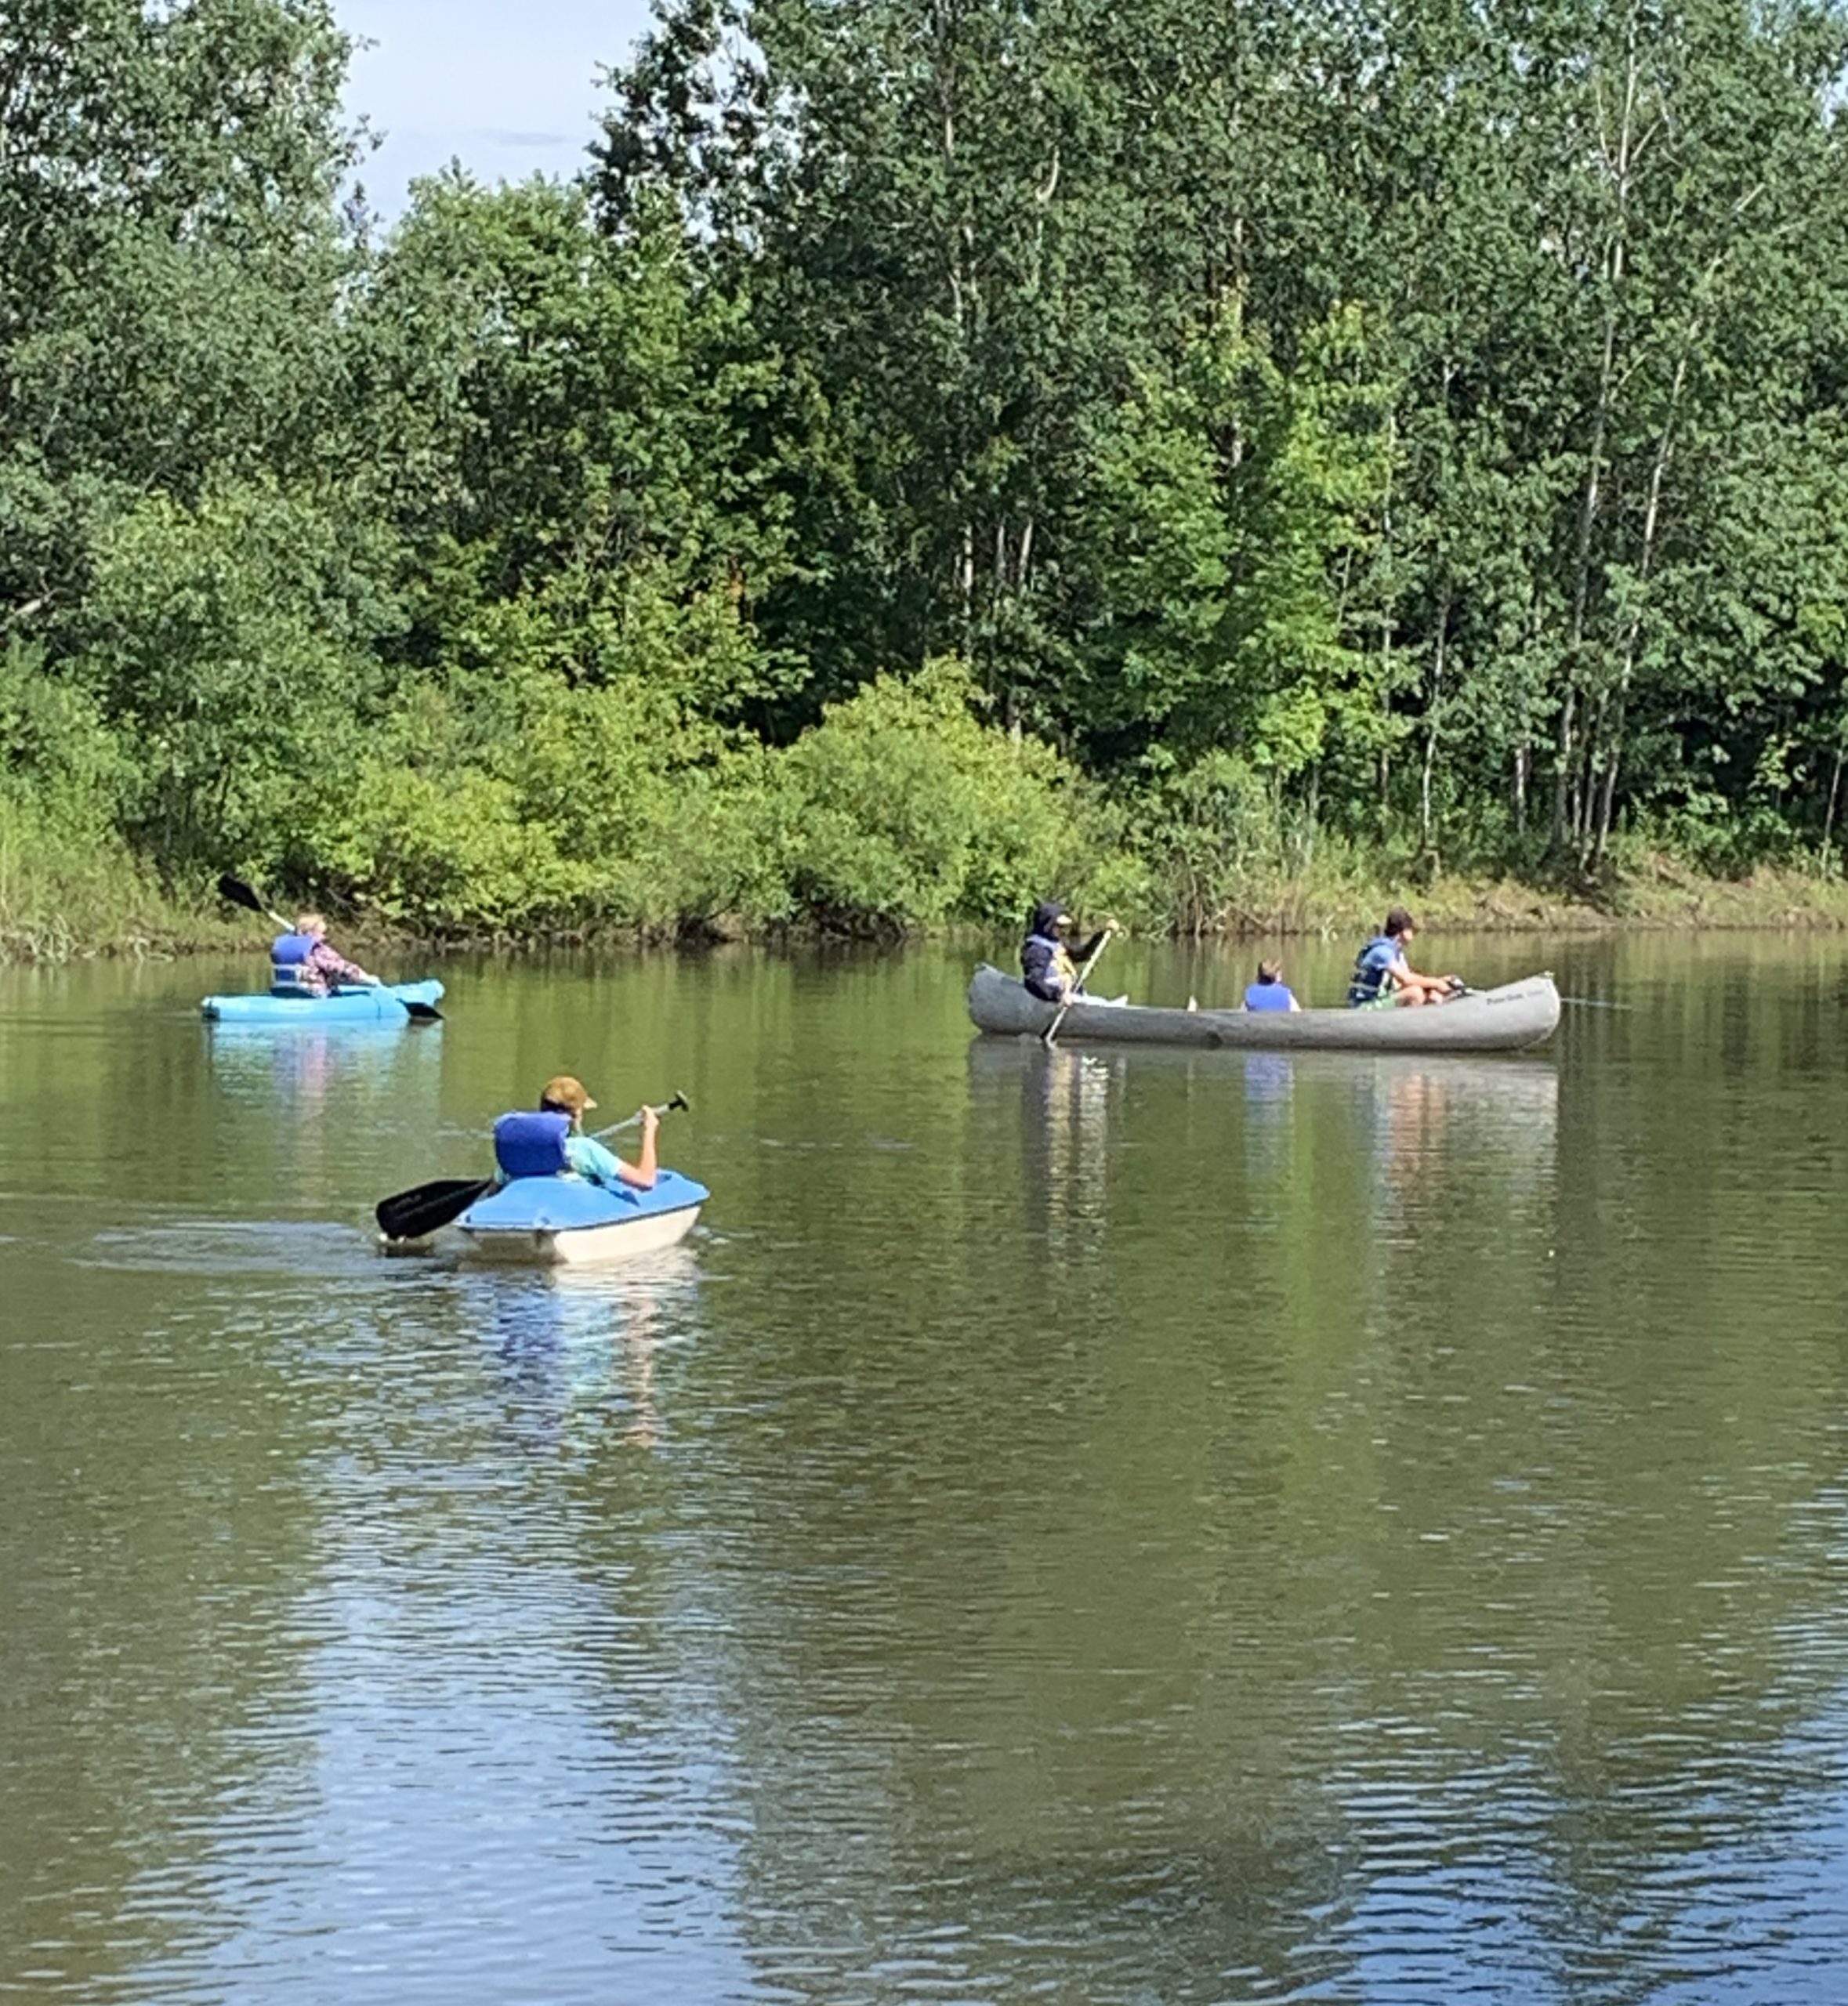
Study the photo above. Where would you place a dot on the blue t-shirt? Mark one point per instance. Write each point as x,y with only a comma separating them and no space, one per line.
1377,961
588,1158
1268,996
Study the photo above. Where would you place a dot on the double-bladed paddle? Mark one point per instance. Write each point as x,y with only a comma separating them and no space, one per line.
427,1208
233,891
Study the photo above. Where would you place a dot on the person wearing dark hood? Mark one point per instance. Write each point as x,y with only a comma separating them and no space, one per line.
1049,963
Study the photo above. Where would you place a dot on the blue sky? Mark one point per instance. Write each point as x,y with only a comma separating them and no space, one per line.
507,87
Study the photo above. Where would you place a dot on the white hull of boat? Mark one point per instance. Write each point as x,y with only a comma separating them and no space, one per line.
579,1246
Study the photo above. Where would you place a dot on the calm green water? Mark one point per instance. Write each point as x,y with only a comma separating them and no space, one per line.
1148,1528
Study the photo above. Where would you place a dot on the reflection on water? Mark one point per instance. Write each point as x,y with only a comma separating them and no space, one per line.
1103,1527
1064,1096
578,1348
348,1071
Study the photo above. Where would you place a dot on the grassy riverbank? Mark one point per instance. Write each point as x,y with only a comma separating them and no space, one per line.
72,902
62,899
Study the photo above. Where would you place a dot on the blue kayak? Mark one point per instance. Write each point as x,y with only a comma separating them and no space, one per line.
543,1221
358,1004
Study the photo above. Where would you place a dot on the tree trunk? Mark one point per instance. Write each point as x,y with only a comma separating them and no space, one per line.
1620,151
1829,819
1431,718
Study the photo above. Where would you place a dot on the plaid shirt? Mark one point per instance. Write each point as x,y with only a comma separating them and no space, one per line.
324,967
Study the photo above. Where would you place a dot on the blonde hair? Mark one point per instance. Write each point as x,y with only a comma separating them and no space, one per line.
306,922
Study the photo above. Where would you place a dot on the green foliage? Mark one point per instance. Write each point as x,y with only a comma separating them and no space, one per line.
912,813
515,801
61,766
1226,496
1425,459
229,643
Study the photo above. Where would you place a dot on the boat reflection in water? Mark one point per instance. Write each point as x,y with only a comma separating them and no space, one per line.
1426,1135
1438,1123
1064,1098
1434,1134
369,1062
578,1349
316,1111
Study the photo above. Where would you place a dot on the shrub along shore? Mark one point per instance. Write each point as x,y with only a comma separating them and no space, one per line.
85,896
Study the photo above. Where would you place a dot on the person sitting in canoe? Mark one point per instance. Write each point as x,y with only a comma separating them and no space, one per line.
1048,965
301,963
551,1142
1270,991
1384,979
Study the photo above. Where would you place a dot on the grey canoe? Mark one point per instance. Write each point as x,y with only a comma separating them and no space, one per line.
1505,1019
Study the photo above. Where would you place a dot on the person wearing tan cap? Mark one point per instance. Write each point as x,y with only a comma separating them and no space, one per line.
551,1142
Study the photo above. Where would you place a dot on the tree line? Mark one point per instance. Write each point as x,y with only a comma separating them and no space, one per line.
936,449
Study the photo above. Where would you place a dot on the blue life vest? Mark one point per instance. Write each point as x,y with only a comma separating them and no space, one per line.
528,1145
289,972
1268,996
1369,984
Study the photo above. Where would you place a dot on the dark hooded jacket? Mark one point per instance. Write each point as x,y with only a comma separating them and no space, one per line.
1049,969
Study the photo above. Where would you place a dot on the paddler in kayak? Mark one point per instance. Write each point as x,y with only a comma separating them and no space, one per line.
1049,964
551,1142
302,963
1383,980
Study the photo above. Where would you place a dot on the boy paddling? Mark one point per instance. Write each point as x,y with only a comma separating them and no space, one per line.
1384,979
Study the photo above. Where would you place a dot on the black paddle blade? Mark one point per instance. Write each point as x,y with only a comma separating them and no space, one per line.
233,891
679,1101
424,1013
414,1213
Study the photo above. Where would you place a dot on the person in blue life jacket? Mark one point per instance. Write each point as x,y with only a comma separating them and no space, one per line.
302,963
1270,991
1384,979
1049,964
551,1143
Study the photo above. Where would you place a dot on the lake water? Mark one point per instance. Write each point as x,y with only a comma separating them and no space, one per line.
1086,1527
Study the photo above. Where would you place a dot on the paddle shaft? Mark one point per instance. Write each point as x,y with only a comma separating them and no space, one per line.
677,1100
1078,983
233,891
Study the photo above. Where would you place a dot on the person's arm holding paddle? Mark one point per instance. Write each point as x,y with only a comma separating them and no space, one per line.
584,1153
589,1159
324,960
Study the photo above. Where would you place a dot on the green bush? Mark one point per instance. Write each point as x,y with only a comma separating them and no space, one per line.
913,813
507,802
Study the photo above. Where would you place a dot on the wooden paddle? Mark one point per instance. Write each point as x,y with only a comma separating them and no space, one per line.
427,1208
1051,1030
233,891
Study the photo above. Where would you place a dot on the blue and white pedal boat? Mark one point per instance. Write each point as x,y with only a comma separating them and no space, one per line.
548,1221
384,1003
